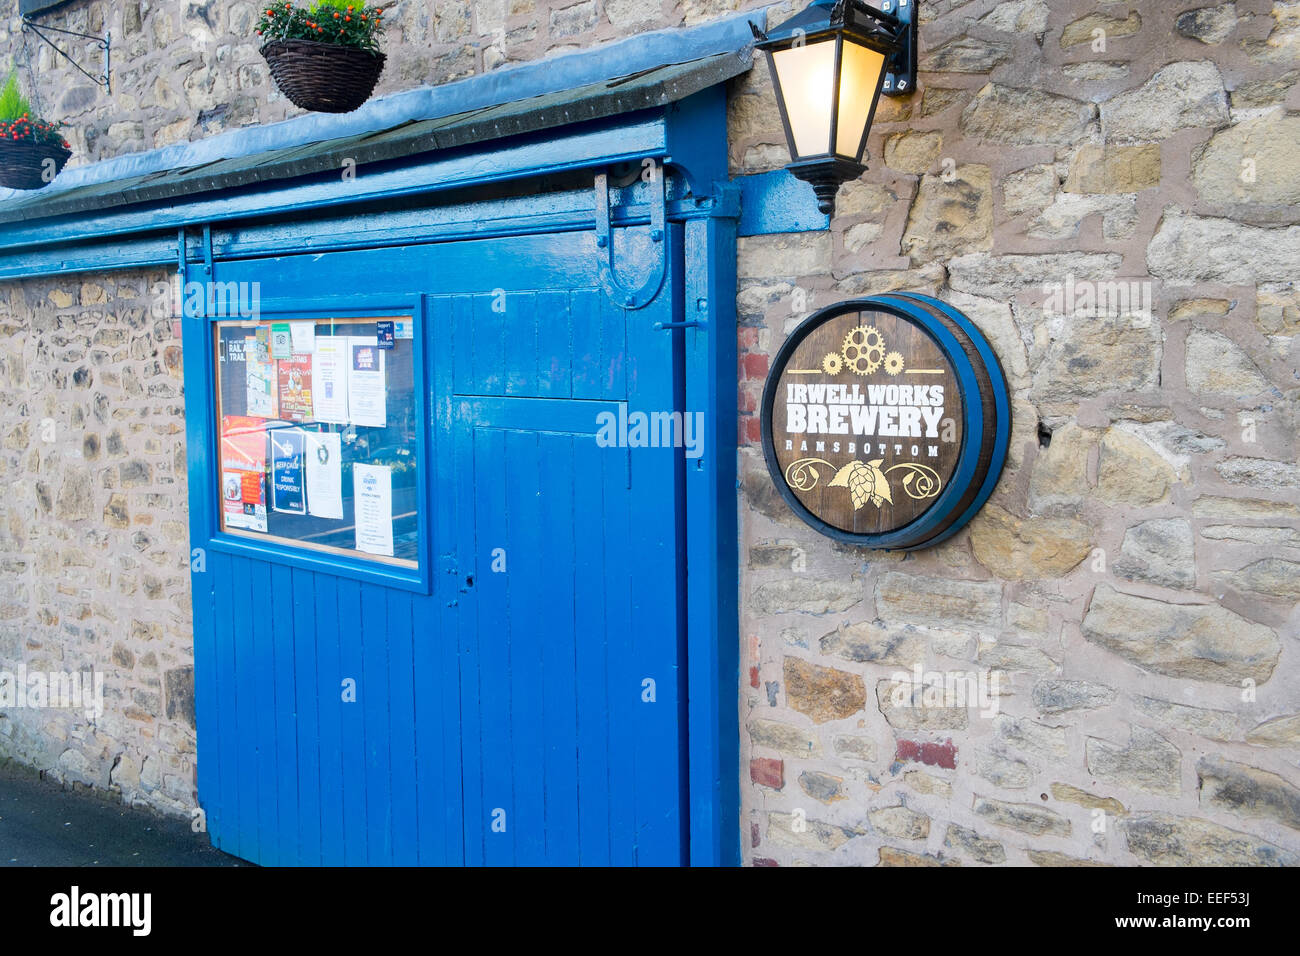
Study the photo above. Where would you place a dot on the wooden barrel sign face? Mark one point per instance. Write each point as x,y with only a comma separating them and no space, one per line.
886,421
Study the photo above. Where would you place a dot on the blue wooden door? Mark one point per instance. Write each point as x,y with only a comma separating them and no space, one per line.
567,548
527,705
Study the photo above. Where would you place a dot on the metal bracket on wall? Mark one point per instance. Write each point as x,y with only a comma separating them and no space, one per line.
105,43
901,78
643,295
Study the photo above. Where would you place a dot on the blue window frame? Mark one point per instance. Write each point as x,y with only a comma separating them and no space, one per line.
318,436
268,405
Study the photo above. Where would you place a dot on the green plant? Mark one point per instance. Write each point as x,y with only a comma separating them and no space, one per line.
17,122
344,22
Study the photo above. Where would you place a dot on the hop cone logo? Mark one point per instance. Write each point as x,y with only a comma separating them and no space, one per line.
865,481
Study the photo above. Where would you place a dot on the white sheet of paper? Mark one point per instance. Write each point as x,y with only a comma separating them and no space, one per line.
367,395
329,379
372,489
324,475
304,337
260,383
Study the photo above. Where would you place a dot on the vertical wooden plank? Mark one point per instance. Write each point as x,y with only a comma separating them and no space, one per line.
227,824
261,675
403,795
243,675
489,349
492,476
306,707
624,682
461,321
613,345
329,694
375,704
352,714
558,680
657,473
207,702
429,664
591,643
529,602
520,360
484,649
709,276
585,306
554,345
436,651
283,632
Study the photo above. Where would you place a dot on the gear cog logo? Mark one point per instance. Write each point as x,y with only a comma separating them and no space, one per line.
893,363
863,350
832,363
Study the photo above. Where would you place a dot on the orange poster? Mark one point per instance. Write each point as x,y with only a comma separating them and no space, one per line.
243,472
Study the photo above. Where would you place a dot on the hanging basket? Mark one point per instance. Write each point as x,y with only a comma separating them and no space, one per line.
22,163
324,77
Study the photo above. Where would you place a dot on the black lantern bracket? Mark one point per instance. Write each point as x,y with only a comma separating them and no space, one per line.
900,79
104,43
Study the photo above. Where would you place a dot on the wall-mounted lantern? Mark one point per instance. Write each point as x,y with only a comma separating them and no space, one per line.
829,65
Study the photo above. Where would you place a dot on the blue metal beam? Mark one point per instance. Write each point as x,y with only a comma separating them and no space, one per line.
599,144
777,202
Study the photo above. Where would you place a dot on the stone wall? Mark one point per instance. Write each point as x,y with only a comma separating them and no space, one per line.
1132,584
1134,580
93,535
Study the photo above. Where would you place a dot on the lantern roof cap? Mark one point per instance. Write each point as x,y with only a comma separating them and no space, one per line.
821,16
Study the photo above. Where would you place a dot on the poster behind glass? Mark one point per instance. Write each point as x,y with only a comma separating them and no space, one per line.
317,434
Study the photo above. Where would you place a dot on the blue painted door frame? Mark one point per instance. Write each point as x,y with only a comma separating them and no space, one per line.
691,140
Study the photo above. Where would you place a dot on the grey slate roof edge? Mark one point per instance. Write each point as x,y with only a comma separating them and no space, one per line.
572,70
595,101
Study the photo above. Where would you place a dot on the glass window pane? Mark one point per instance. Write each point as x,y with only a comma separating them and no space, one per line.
317,429
807,77
860,72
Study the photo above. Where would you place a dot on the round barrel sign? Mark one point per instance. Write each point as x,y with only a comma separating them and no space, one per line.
886,421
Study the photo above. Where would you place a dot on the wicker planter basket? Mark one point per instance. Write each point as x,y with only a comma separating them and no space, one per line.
22,163
324,77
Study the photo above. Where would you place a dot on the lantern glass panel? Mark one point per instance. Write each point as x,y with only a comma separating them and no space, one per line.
807,77
861,72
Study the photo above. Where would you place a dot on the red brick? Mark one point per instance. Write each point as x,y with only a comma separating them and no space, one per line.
767,772
753,677
753,430
764,861
753,834
746,338
754,365
927,752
